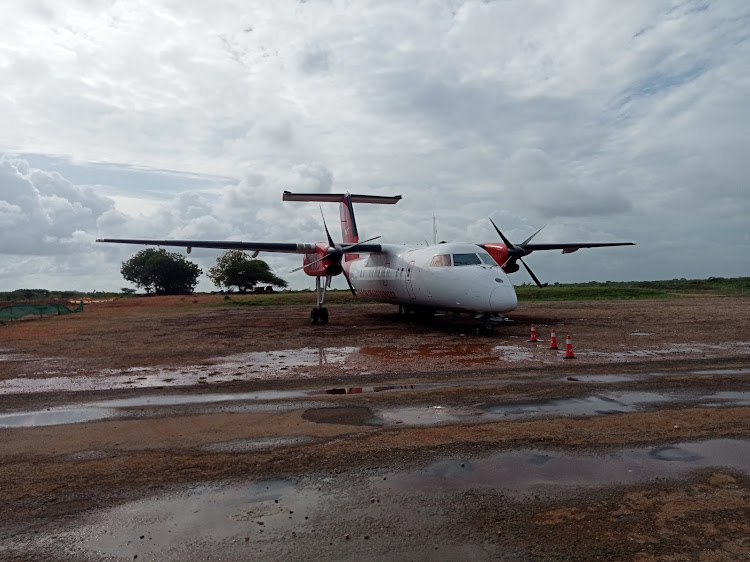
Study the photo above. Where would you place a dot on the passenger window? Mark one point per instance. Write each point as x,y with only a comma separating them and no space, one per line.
466,259
441,260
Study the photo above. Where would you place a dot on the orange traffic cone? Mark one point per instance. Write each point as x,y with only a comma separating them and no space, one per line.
533,333
553,340
569,349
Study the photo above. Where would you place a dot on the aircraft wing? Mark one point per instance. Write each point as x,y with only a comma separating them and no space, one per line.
569,248
279,247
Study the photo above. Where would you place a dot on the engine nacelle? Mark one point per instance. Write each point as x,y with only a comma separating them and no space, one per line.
498,251
511,267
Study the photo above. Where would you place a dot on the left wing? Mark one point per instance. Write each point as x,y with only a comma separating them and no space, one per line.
281,247
569,248
508,254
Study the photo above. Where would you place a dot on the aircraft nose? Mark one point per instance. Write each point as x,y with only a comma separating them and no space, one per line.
503,299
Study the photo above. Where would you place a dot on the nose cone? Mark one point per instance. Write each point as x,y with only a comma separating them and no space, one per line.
503,298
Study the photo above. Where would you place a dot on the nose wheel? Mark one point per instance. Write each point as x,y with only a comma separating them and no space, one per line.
485,329
487,323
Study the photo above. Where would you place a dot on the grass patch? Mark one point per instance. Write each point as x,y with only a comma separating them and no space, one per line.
632,290
609,290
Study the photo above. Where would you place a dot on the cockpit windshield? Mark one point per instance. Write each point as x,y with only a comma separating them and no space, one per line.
444,260
487,259
441,260
466,259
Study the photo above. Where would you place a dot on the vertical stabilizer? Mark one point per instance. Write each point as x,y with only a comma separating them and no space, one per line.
349,232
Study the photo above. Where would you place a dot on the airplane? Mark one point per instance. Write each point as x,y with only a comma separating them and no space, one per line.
454,277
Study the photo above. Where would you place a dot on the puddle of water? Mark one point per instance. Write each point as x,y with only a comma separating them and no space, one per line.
287,358
602,378
615,403
370,389
612,403
514,352
55,416
267,365
579,406
554,472
180,522
251,521
110,408
426,415
728,398
244,445
460,354
639,334
428,350
723,372
104,409
155,378
157,400
592,405
15,356
681,348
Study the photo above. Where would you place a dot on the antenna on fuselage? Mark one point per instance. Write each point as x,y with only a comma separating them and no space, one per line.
434,230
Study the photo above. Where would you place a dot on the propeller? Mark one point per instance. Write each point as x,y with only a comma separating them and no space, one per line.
516,253
336,252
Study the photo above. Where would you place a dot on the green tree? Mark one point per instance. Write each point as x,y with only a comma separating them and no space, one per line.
235,269
160,272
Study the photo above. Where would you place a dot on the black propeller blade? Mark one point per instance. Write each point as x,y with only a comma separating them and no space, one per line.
348,282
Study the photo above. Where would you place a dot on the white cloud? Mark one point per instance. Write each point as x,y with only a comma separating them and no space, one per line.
607,120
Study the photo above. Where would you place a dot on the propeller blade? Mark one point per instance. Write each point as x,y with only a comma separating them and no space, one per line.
507,242
305,265
351,287
328,234
534,277
348,249
308,264
523,244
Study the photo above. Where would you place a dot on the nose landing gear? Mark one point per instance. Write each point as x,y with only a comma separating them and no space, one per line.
487,323
485,329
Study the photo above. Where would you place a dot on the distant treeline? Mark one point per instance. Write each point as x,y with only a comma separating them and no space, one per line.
593,290
27,295
622,290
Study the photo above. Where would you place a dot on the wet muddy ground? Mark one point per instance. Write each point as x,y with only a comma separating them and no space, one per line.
179,429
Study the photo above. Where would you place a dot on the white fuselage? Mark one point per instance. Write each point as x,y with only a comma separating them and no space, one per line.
452,276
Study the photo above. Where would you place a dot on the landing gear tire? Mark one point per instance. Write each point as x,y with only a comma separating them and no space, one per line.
485,330
319,315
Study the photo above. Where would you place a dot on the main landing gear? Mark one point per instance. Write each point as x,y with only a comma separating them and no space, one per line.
319,314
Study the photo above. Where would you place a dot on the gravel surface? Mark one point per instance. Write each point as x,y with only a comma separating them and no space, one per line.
178,428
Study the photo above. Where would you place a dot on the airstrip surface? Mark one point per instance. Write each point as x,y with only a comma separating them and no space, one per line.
179,428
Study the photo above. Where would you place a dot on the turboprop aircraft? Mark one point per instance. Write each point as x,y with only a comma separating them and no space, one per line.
455,277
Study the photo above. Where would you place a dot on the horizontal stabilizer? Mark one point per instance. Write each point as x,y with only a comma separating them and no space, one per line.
340,198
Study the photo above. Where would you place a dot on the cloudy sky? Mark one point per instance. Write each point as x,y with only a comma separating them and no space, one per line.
604,120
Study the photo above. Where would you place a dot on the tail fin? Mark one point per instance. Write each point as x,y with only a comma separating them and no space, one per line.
349,232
